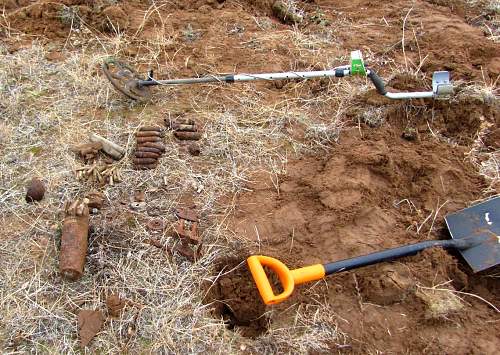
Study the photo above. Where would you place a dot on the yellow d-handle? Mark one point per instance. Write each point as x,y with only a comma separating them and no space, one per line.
288,278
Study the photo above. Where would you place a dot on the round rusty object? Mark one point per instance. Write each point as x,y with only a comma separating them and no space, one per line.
156,224
146,155
144,161
152,145
149,134
148,150
36,190
148,139
187,135
125,80
151,128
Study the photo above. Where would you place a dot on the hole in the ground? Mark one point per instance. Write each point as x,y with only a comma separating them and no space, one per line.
235,298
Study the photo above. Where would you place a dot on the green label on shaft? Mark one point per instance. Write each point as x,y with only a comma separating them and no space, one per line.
357,65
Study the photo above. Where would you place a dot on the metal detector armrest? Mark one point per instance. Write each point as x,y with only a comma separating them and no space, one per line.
441,87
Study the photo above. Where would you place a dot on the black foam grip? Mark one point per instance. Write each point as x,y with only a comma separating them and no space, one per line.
378,82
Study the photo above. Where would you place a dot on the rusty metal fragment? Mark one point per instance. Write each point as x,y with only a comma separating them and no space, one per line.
187,214
74,239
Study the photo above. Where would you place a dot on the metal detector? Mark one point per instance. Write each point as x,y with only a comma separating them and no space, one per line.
129,83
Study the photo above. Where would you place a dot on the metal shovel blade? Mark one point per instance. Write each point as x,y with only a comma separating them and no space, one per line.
481,220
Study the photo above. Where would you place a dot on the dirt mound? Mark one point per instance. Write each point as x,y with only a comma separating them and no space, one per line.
373,193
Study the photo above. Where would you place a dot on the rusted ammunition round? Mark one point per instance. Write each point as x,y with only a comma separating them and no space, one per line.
147,155
187,135
145,167
159,146
149,134
150,128
148,139
74,243
144,161
148,149
185,127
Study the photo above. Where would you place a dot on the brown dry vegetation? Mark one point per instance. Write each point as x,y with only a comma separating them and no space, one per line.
257,137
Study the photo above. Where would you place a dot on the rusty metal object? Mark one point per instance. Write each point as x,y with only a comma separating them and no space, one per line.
149,134
115,305
96,199
36,190
74,239
110,148
156,225
182,135
89,324
190,254
151,128
187,214
146,155
88,151
194,149
185,127
144,161
148,139
189,234
101,174
158,146
148,150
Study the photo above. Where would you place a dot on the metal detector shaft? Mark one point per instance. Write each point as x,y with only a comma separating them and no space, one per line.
335,72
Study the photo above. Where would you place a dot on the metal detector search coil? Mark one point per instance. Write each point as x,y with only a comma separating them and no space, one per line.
129,83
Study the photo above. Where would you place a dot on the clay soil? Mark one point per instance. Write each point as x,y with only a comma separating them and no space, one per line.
371,189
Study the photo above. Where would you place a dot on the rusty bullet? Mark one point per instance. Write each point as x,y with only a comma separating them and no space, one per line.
149,134
144,161
146,155
148,139
187,135
159,146
150,128
148,150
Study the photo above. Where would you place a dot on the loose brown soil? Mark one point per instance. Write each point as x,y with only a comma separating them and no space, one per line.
373,190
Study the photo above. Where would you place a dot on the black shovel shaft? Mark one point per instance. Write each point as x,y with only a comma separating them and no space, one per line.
391,254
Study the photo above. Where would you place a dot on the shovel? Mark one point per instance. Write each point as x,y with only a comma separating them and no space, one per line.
475,233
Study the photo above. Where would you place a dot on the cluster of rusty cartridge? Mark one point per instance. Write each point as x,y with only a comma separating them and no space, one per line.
149,148
185,129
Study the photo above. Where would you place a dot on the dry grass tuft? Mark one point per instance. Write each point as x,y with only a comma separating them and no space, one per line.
441,303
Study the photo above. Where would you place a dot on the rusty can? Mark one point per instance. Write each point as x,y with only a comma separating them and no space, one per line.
74,243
